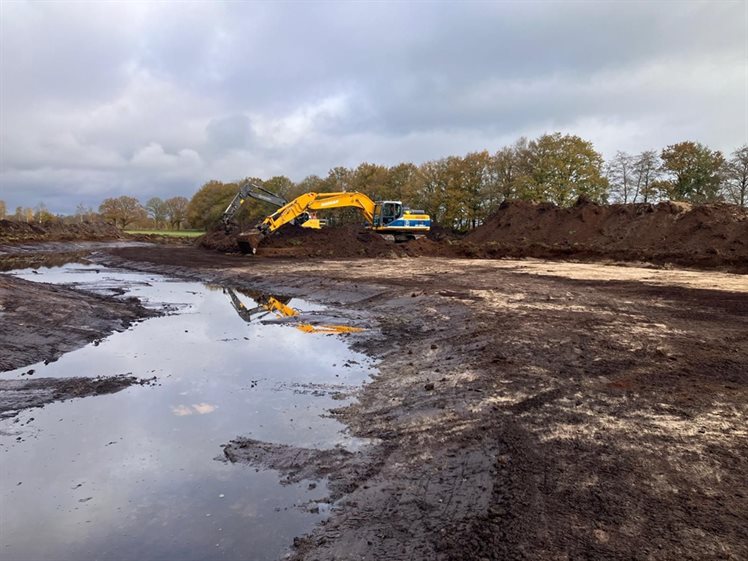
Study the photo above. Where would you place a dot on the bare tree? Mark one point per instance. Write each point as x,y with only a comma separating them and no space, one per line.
645,173
84,213
620,175
3,209
735,185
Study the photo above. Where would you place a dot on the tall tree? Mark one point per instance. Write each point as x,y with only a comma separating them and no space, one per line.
370,179
176,211
3,209
433,192
207,205
694,172
402,183
338,179
504,169
646,172
563,167
620,173
736,177
310,184
122,211
281,186
83,213
156,209
474,187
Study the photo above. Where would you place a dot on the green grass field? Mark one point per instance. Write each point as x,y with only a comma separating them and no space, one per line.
174,233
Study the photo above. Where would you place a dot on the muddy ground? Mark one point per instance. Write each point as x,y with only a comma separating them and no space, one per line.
41,322
523,409
17,395
44,321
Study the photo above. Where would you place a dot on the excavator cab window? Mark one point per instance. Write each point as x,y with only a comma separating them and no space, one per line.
390,211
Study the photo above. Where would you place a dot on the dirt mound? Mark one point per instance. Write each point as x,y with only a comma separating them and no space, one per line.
21,232
295,241
219,240
707,235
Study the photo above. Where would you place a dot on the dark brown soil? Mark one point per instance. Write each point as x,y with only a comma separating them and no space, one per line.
704,236
563,411
43,321
17,395
22,232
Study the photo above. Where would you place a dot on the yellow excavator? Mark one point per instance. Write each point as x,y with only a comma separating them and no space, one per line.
384,217
279,306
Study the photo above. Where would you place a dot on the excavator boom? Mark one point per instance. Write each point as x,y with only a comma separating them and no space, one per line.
249,190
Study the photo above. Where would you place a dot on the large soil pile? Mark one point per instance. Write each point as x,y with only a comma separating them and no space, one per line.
22,232
707,235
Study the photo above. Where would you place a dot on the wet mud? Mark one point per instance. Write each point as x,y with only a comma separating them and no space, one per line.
17,395
520,409
218,361
526,409
42,321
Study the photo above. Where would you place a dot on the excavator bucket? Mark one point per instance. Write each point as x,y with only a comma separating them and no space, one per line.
249,241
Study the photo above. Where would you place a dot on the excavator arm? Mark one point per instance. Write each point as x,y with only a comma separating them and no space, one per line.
249,190
317,201
301,205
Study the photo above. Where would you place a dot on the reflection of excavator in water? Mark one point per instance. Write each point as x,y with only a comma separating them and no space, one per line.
279,306
384,217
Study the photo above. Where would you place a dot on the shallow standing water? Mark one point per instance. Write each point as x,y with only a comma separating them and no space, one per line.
135,475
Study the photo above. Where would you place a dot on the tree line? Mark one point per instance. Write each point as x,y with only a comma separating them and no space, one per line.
461,191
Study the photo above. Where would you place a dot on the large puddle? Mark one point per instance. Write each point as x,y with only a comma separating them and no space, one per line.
134,475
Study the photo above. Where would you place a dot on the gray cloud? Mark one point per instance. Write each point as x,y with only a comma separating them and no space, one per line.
156,98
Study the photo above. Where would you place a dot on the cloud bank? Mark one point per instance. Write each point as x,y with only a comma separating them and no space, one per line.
102,99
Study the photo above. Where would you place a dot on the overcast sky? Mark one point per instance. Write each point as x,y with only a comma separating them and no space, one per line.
103,99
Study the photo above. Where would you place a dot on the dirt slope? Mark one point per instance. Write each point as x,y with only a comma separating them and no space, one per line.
707,235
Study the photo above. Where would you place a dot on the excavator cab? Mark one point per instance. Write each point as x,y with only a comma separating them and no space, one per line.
386,212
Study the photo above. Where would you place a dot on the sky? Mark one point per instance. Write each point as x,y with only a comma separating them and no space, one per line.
154,99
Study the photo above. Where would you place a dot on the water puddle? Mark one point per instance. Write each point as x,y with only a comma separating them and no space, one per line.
133,475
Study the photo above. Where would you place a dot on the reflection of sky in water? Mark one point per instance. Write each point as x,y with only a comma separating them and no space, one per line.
132,475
